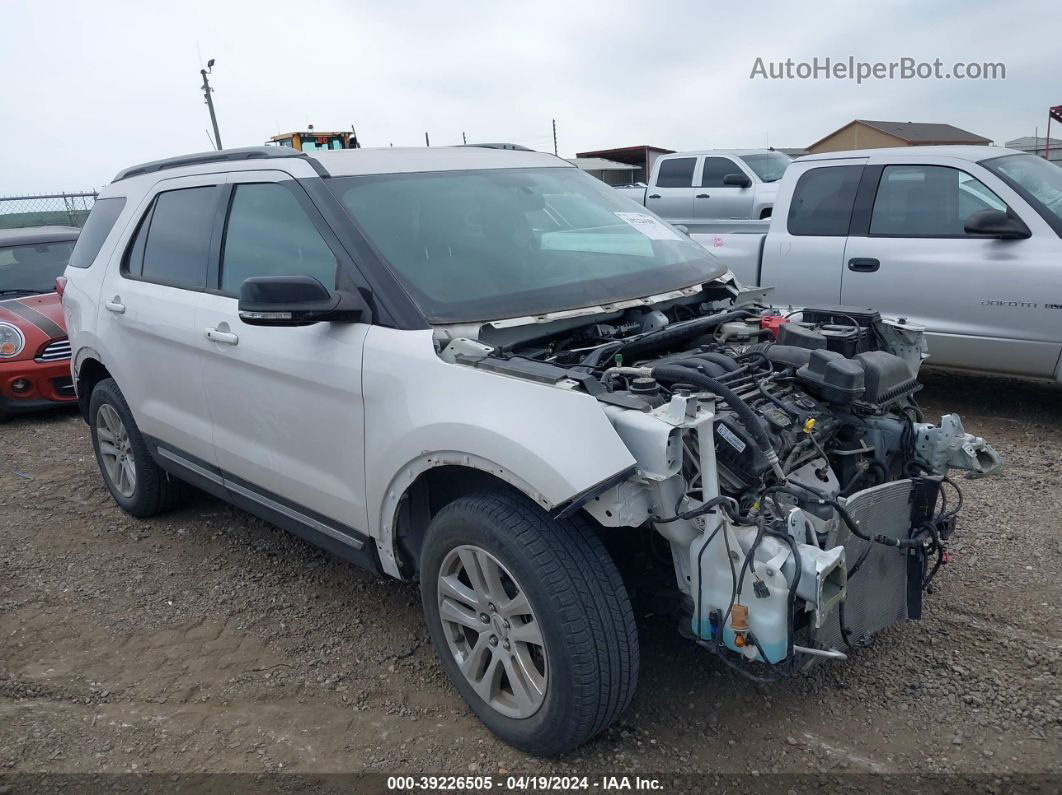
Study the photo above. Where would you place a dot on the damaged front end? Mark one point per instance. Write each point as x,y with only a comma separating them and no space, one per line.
803,495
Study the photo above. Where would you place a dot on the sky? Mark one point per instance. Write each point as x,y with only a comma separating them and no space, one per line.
92,87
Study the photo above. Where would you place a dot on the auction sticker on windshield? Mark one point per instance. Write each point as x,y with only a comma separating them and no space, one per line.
651,227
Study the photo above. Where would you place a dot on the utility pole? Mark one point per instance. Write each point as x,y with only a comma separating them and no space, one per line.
207,91
427,142
555,137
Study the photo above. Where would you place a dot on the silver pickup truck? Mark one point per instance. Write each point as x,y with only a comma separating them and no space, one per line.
966,241
691,188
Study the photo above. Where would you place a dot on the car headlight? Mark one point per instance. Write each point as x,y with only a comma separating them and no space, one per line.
11,341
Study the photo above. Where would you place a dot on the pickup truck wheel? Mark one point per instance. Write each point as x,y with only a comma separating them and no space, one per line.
530,619
136,482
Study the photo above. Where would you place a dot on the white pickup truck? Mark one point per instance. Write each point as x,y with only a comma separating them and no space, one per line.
966,241
691,188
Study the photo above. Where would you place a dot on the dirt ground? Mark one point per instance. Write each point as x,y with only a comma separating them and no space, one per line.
208,641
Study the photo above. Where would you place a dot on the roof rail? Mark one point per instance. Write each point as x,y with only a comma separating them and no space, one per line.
224,155
513,147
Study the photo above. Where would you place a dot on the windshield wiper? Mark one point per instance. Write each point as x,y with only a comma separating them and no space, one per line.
23,290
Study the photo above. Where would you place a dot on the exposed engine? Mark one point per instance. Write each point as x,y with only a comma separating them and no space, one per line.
783,457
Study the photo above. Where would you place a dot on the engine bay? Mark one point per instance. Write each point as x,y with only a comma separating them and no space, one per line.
783,456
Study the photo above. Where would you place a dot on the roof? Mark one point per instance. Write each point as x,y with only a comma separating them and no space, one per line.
32,235
917,132
310,133
971,153
406,160
600,164
1029,140
630,150
731,152
342,162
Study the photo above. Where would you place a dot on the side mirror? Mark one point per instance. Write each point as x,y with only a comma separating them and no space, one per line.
297,301
996,223
737,181
682,228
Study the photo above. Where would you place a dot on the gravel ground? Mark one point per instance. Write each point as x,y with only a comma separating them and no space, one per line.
208,641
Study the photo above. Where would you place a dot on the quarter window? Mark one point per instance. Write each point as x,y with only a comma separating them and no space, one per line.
715,169
822,201
269,234
676,172
928,201
172,245
98,225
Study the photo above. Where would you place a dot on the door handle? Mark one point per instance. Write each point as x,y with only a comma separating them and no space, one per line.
863,264
218,335
115,305
654,195
702,196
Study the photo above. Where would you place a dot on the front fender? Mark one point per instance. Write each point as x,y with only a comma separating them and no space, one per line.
421,412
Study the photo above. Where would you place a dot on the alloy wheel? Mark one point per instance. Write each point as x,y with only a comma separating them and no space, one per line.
115,450
492,631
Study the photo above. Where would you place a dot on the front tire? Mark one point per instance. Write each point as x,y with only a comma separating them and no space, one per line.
136,482
530,619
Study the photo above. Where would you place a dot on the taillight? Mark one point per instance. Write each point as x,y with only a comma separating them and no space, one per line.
60,285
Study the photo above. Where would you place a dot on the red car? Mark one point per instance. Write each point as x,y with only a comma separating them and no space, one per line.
34,350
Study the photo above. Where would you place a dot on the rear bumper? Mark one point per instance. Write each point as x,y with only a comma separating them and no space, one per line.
49,385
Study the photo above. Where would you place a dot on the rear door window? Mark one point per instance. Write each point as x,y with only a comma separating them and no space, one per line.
822,201
676,172
173,244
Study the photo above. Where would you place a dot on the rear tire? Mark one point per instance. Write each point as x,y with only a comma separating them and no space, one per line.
136,482
583,651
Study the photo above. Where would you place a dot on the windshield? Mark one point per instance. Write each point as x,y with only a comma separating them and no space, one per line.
496,243
768,166
33,268
1038,181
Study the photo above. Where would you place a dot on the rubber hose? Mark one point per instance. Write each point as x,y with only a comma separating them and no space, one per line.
701,366
670,373
724,361
655,339
595,357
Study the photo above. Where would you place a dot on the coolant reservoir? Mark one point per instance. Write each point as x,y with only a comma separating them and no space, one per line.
738,330
713,574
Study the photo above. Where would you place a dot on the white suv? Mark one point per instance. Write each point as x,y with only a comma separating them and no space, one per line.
478,367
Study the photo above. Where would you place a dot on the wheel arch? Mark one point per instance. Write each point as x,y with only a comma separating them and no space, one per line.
89,370
423,487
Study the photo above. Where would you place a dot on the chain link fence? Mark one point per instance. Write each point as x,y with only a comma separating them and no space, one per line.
62,209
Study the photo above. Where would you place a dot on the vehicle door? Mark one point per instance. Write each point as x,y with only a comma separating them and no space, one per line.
804,250
671,194
717,200
286,402
146,318
981,298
